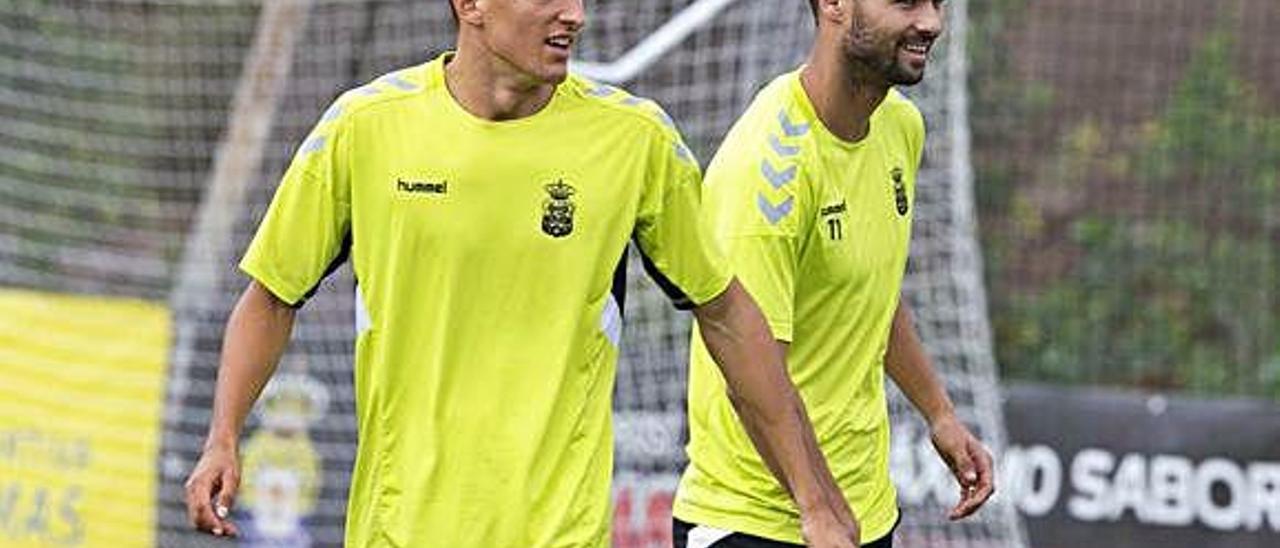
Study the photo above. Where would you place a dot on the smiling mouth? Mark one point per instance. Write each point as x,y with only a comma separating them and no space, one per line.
917,48
561,42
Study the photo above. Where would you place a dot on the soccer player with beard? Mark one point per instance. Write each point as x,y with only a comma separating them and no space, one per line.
484,199
810,194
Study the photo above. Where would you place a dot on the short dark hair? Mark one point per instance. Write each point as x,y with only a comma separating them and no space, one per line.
813,5
453,11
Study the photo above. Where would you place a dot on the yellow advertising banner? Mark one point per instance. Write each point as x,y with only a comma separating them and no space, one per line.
81,389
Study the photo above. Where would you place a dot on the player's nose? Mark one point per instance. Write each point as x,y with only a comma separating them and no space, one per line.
573,14
929,19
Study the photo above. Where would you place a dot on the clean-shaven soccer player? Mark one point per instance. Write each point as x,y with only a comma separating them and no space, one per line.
811,196
484,199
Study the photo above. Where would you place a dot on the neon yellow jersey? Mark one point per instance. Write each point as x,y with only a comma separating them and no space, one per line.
485,255
817,229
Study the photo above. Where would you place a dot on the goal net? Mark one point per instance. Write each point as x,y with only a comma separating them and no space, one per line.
143,139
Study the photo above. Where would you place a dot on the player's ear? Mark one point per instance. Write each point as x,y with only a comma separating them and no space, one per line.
469,11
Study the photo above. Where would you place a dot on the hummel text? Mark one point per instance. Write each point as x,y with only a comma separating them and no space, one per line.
441,187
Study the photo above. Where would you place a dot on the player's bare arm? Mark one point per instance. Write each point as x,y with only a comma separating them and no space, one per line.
909,366
256,335
773,414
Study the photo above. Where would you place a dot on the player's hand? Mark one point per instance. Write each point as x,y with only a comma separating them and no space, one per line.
968,460
211,491
829,530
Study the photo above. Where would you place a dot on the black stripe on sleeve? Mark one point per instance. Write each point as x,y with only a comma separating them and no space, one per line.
678,298
343,253
619,288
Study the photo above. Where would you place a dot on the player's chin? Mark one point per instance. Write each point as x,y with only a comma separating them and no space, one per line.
555,77
907,74
552,72
553,65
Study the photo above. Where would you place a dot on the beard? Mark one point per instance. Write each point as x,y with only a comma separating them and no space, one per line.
877,57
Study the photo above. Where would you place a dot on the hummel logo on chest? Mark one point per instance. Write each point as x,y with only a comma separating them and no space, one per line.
834,209
422,187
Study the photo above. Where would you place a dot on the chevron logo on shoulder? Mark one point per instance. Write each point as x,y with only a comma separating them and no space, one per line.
683,153
776,178
398,81
335,110
774,213
781,149
601,90
789,128
314,144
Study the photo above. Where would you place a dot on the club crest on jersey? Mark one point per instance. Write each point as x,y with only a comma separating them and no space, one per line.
899,191
557,209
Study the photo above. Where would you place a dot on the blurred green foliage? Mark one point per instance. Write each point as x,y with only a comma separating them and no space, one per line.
1171,280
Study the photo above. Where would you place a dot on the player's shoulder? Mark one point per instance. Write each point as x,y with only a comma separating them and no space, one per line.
775,129
620,104
764,168
779,119
386,91
779,107
629,110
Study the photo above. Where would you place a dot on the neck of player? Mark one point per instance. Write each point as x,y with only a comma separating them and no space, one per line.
490,88
844,93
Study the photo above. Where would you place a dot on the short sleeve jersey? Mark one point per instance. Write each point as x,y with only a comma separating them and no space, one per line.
817,228
486,256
